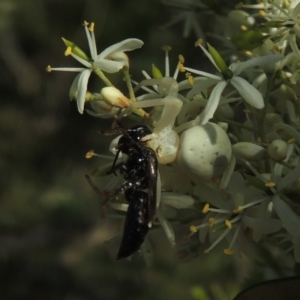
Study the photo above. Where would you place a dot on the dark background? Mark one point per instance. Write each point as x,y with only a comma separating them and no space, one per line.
52,234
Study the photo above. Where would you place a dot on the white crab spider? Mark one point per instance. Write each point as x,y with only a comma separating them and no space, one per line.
164,140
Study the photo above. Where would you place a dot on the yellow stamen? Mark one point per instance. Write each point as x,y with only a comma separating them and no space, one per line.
249,53
181,68
166,48
262,13
68,51
205,208
270,184
181,58
244,28
291,141
228,251
85,23
228,224
191,79
211,222
92,26
90,154
48,69
276,48
239,5
193,228
238,210
198,42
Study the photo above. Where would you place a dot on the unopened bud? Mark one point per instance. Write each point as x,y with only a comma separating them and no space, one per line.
277,149
114,97
248,151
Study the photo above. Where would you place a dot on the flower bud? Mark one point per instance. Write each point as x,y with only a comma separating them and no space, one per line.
217,58
278,149
156,73
114,97
119,56
248,151
272,118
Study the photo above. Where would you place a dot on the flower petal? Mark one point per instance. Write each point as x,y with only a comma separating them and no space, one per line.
177,200
212,103
166,226
289,178
108,66
251,95
237,68
290,220
262,225
82,88
200,86
126,45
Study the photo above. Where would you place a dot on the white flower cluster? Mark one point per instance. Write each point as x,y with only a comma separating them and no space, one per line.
228,144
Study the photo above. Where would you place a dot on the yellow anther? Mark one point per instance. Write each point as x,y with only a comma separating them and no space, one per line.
228,224
85,23
239,5
191,79
262,13
193,228
291,141
205,208
244,28
92,26
181,68
211,222
249,53
238,210
68,51
276,48
90,154
206,251
228,251
181,58
166,48
48,69
270,184
198,42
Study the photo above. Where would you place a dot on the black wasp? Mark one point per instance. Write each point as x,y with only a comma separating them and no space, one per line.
140,173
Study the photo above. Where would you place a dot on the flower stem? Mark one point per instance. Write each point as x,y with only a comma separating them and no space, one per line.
129,84
102,77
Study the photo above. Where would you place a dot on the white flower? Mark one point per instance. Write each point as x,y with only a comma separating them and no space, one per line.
283,20
250,94
278,184
233,212
111,60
